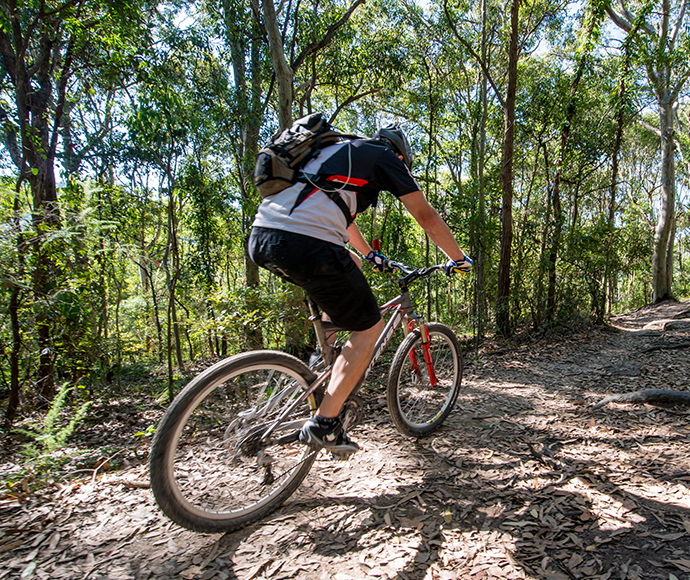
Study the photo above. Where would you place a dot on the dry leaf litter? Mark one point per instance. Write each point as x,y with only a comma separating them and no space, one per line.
524,480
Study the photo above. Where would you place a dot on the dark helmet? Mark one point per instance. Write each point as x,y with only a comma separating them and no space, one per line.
393,136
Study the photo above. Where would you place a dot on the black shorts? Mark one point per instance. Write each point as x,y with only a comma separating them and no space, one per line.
325,270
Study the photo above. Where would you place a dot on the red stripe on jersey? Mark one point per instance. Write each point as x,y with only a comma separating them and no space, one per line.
348,180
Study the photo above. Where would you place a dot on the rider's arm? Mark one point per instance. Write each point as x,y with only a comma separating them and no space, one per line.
357,240
431,222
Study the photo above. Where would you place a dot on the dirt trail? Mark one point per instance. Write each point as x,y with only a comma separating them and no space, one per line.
524,480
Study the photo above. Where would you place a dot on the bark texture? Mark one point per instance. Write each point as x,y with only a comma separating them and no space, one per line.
503,297
667,72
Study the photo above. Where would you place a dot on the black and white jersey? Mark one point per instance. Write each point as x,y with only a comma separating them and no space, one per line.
358,170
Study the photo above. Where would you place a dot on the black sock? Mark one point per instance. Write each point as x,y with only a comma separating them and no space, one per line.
326,422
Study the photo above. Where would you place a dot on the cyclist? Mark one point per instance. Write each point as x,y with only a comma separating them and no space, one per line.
300,235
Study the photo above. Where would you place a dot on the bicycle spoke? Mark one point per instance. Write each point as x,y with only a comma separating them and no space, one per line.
218,473
418,407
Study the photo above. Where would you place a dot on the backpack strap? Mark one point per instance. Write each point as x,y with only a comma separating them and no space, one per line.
316,182
337,198
322,184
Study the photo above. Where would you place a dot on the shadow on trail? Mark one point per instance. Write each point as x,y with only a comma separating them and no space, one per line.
489,497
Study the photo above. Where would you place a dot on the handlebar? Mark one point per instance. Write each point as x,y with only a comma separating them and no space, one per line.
405,269
412,274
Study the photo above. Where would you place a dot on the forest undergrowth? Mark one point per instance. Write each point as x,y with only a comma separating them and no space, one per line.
524,480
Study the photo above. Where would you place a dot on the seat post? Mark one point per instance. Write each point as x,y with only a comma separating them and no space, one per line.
315,319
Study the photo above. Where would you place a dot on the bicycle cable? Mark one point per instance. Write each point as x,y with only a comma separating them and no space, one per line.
340,190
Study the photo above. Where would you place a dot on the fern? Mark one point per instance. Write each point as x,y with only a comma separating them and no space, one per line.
49,436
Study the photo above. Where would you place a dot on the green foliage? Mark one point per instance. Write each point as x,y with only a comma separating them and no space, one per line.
161,121
51,434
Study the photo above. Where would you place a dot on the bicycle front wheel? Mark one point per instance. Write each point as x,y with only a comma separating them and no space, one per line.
418,407
209,470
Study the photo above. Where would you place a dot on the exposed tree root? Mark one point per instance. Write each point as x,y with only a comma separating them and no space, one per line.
666,346
647,396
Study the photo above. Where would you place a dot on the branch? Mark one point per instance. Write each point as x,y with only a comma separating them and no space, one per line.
295,28
8,56
679,86
666,346
618,20
326,40
284,74
59,9
11,140
471,50
351,99
649,127
645,217
647,396
663,29
676,28
631,17
536,25
626,19
446,158
62,90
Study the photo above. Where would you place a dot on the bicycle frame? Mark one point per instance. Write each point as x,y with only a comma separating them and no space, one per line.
400,308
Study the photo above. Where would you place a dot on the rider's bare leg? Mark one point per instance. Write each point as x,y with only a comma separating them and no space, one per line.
349,368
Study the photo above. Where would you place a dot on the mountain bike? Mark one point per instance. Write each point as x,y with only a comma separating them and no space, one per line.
227,451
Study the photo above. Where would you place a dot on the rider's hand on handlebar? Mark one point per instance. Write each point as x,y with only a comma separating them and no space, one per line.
379,262
463,267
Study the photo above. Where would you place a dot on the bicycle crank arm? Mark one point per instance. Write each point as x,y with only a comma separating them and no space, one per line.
291,437
286,439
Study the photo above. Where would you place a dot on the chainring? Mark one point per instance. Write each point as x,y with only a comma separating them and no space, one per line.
352,412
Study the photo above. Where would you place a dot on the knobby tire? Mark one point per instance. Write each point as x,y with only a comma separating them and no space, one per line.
209,472
416,407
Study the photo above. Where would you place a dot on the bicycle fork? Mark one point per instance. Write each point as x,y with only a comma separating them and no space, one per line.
426,349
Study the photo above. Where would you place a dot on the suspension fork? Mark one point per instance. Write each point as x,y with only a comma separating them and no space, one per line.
426,349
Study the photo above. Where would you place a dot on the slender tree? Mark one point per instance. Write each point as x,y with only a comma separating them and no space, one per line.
663,50
284,73
41,45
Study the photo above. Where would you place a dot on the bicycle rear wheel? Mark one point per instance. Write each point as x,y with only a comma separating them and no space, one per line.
209,472
416,406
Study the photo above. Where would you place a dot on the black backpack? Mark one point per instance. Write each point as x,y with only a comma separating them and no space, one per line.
280,162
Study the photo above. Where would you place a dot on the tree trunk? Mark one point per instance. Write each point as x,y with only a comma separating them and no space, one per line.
13,400
555,245
668,71
172,251
556,193
283,72
169,355
250,106
503,323
39,108
480,266
611,223
13,308
543,261
662,267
